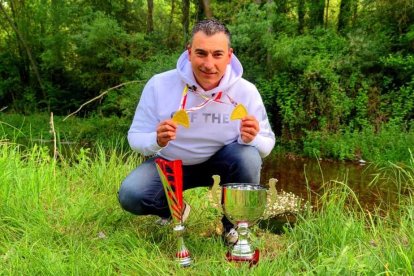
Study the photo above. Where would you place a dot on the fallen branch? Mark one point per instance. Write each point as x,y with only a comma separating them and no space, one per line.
53,132
100,96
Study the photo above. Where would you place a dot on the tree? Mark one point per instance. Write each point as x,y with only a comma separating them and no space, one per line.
203,9
316,13
326,13
150,21
345,13
186,20
354,11
301,16
22,44
171,20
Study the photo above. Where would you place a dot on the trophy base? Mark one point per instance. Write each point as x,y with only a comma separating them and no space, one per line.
253,260
184,262
182,256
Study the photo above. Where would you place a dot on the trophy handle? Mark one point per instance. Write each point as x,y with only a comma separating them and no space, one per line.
213,195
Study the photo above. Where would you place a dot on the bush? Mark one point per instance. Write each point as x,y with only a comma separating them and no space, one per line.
390,144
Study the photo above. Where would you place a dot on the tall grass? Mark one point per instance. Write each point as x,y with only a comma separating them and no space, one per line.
62,217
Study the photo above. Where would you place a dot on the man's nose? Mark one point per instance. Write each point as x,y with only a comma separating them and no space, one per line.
208,62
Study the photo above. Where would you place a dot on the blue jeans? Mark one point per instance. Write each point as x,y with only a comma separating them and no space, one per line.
142,193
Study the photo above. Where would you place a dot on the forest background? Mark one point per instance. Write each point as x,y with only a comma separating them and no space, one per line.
336,76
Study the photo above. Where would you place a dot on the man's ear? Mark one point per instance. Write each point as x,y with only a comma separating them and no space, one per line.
189,51
230,54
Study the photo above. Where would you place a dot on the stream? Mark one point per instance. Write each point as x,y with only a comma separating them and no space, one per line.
303,175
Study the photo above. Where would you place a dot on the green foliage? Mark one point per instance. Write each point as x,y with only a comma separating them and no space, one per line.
108,54
312,77
323,81
123,101
390,144
307,86
79,50
249,37
10,84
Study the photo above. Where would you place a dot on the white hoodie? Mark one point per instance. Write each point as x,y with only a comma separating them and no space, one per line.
210,127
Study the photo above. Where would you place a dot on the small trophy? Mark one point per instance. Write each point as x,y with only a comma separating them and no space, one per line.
243,204
172,180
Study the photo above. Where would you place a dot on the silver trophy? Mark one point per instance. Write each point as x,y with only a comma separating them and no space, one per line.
243,204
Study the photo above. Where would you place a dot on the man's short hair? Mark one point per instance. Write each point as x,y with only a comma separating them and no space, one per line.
210,27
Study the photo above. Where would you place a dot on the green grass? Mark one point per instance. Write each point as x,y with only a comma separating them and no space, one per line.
62,218
36,128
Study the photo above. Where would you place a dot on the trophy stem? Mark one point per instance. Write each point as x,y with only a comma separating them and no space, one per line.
182,256
243,251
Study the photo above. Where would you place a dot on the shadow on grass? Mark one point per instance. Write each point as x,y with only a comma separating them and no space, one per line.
279,224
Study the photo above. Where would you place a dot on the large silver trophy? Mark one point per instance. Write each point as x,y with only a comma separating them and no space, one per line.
170,173
243,204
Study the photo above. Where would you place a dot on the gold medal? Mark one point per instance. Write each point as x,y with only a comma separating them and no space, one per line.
181,118
239,112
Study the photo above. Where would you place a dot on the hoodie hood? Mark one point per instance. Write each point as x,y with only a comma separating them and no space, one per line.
234,72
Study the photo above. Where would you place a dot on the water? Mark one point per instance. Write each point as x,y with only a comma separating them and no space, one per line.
304,176
296,174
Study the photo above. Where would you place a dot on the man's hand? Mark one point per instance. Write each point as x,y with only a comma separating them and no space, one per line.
166,131
249,128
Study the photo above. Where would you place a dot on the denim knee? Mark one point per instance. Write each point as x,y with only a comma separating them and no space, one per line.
141,192
249,164
243,162
129,197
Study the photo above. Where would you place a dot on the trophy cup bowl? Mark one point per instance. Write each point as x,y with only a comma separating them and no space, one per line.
243,204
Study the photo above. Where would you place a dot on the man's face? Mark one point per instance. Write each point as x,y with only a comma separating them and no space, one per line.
209,56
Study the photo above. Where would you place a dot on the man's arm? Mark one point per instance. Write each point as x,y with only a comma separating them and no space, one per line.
142,135
255,128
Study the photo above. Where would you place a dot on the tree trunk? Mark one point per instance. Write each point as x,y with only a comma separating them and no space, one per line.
186,21
199,10
344,15
316,13
282,6
354,11
207,10
170,22
203,10
326,14
150,21
301,16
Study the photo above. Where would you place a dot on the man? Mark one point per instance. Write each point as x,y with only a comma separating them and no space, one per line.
207,83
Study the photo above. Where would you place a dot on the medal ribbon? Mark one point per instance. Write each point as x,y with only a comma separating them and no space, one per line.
203,104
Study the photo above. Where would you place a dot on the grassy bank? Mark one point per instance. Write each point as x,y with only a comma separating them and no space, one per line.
390,144
60,218
75,131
